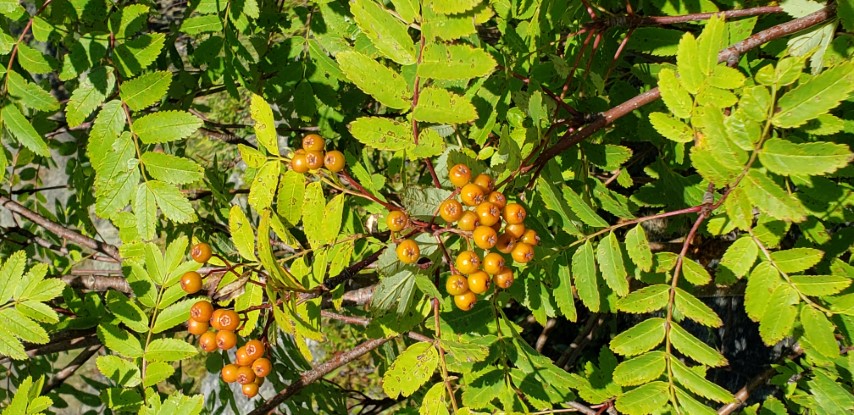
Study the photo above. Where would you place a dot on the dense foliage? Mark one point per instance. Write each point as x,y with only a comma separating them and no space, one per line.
649,158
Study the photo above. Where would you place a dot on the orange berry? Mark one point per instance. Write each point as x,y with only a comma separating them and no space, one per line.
531,238
313,142
201,311
245,375
467,262
472,194
191,282
196,327
484,237
201,252
503,279
207,341
262,367
493,262
479,282
215,318
408,251
514,213
334,161
485,182
456,285
516,230
229,373
314,159
228,320
299,163
450,210
242,357
469,221
225,339
497,199
255,349
522,252
488,213
250,390
465,301
505,243
459,175
396,220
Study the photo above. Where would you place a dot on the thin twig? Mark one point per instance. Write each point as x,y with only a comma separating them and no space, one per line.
59,230
71,368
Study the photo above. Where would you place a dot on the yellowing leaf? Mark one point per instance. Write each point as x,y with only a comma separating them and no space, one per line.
265,127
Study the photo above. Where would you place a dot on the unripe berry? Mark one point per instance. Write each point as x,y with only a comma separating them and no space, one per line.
456,285
396,220
459,175
479,282
465,301
467,262
408,251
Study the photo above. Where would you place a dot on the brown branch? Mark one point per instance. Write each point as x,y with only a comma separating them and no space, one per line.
71,368
602,120
364,321
319,372
729,14
96,282
59,230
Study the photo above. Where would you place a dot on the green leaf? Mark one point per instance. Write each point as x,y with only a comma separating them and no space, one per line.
438,105
563,292
610,259
691,405
818,330
584,271
696,310
814,97
645,300
22,327
34,61
157,372
710,42
127,312
132,56
11,273
263,188
578,206
291,195
375,79
119,341
30,94
145,211
779,319
312,218
382,133
643,400
788,158
639,339
691,380
145,90
173,315
640,370
770,198
760,285
166,126
453,6
117,177
386,32
452,62
172,169
37,311
845,11
831,396
22,130
241,233
796,259
638,248
251,156
688,63
671,128
820,285
434,401
692,347
201,24
332,219
725,77
265,124
484,389
740,256
121,371
695,273
410,370
169,350
172,202
674,95
11,346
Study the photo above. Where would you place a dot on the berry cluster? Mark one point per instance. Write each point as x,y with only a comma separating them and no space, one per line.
251,367
312,157
481,224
